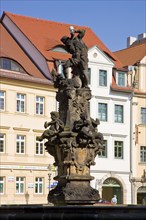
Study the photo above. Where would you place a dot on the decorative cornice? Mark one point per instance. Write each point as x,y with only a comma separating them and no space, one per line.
37,130
21,129
5,127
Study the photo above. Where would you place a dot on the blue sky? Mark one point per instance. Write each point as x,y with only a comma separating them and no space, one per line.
111,20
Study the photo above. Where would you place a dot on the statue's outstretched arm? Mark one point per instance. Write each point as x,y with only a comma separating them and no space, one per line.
81,33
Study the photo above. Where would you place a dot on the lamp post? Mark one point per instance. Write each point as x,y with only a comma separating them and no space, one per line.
49,178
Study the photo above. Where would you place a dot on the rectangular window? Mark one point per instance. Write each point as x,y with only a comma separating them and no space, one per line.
39,148
103,152
143,116
102,111
2,143
2,185
19,185
2,100
102,78
20,102
118,149
20,144
119,113
121,79
39,105
39,185
143,154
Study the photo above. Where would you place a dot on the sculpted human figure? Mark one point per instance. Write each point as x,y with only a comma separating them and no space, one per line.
83,127
79,60
55,126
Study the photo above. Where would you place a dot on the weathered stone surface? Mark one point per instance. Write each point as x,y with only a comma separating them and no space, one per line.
73,137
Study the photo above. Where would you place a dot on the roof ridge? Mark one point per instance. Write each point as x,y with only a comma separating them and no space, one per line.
43,20
131,47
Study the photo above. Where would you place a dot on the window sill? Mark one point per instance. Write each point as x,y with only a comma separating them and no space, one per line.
21,155
21,113
39,155
4,154
142,163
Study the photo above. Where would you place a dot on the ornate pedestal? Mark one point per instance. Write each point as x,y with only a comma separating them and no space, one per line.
74,147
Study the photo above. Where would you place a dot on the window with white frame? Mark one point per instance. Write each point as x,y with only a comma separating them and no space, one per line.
39,148
20,144
20,102
39,185
121,80
2,143
20,185
2,100
39,105
102,111
143,154
118,149
143,116
2,182
102,78
103,152
119,114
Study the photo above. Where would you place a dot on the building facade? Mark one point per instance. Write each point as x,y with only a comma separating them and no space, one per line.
24,163
134,58
110,103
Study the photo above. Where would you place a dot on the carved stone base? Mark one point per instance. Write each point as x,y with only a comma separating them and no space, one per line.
74,193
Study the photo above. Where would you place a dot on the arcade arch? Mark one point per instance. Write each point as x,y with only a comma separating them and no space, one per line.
111,186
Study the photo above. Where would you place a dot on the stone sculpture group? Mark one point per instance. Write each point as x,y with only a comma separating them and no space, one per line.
72,135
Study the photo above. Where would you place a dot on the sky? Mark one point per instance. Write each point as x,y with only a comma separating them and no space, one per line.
111,20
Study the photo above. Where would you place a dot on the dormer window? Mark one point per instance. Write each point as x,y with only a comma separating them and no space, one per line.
59,49
121,79
8,64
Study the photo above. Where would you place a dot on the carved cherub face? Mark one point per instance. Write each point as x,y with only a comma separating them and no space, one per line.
54,115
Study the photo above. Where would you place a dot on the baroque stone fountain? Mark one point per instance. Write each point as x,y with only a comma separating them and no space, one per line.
72,135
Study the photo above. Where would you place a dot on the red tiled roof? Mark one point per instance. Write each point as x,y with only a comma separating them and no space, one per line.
10,49
132,55
46,34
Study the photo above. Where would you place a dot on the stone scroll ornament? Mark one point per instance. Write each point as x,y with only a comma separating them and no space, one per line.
72,136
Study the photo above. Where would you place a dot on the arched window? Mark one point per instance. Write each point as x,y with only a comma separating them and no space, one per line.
8,64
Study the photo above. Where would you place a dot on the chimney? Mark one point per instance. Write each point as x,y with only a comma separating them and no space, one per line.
141,36
130,40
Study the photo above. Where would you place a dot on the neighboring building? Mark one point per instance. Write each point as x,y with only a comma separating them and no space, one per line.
29,50
26,99
134,58
110,103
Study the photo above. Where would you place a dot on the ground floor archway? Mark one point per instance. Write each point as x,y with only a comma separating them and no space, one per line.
110,187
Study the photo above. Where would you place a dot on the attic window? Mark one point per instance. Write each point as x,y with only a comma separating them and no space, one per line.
9,64
121,79
59,49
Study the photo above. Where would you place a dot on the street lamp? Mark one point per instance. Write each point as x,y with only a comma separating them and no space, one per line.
49,178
